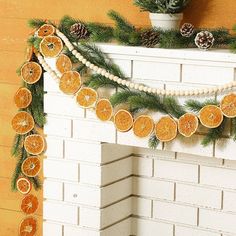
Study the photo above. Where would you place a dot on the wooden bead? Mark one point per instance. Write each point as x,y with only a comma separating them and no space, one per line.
136,86
74,52
95,68
140,88
111,77
127,83
119,81
115,78
84,61
103,72
123,82
131,85
91,66
107,74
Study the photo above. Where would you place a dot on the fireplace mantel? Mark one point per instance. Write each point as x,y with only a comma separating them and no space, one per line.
102,182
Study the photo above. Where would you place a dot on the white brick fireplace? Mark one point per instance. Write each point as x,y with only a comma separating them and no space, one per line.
100,182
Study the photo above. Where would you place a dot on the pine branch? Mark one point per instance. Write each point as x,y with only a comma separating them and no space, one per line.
125,32
36,182
122,97
196,106
214,134
234,129
173,107
153,142
98,81
36,23
17,145
34,41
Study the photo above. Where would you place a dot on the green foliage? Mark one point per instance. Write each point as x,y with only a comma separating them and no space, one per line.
173,107
122,97
234,129
232,44
36,23
222,36
153,142
17,145
196,106
34,41
214,134
125,32
96,81
162,6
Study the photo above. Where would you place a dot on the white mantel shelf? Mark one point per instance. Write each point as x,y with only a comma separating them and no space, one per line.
101,182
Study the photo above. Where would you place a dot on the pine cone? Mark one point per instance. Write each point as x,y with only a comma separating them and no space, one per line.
187,30
79,31
204,40
150,38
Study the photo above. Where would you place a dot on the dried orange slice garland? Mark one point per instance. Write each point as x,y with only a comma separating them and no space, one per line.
23,98
143,126
34,144
50,46
70,82
188,124
211,116
31,166
104,110
29,204
228,105
45,30
23,185
123,120
63,63
28,227
31,72
86,97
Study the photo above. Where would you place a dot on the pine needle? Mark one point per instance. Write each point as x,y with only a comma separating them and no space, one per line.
173,107
196,106
122,97
17,145
153,142
36,23
214,134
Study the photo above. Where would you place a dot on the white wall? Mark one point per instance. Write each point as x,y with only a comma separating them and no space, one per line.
103,182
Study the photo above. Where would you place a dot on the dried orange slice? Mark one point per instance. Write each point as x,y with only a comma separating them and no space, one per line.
50,46
63,63
70,82
45,30
86,97
228,105
31,72
28,227
166,129
188,124
31,166
211,116
23,185
123,120
22,122
23,98
143,126
34,144
104,109
29,204
29,53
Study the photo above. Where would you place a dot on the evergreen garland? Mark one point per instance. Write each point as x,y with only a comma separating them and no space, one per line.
153,142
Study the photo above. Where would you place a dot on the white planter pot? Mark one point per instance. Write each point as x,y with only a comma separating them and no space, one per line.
166,21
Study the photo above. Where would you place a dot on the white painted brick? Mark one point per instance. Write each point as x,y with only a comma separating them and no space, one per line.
51,85
61,170
154,153
217,220
176,171
190,145
153,188
101,175
116,212
122,228
58,127
97,219
141,207
75,231
185,231
142,166
117,191
174,212
229,203
215,75
128,138
62,105
200,196
141,227
124,65
95,131
156,70
94,151
53,190
60,212
220,177
82,194
184,157
225,148
54,147
50,229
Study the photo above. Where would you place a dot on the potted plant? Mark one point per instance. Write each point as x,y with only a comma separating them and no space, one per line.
164,14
